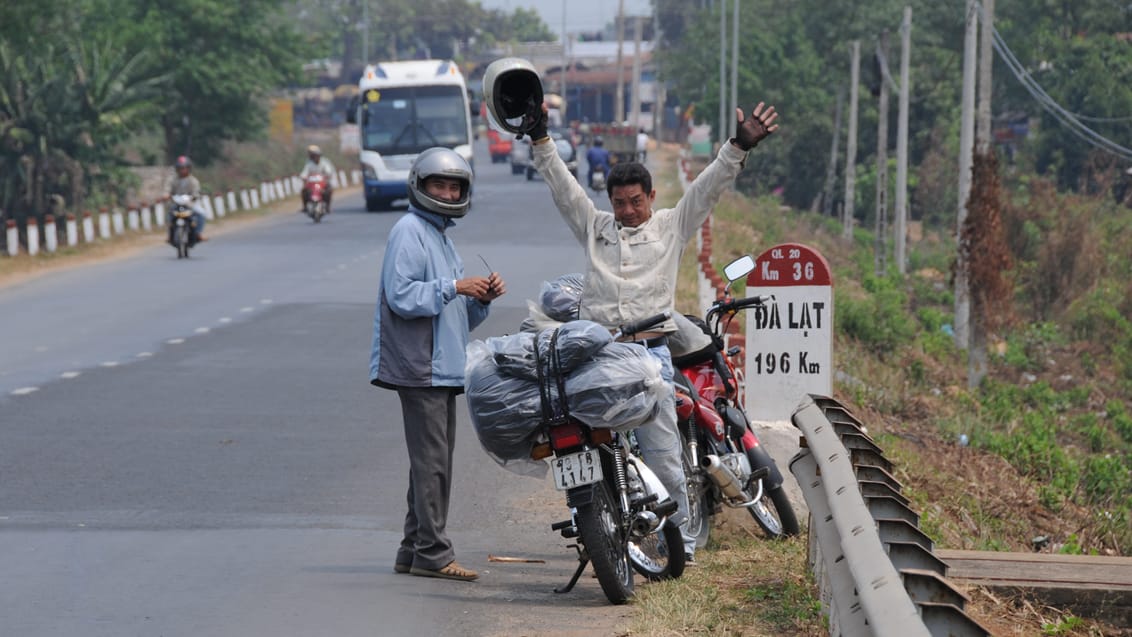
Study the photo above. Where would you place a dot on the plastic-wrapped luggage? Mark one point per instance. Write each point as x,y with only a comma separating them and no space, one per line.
605,384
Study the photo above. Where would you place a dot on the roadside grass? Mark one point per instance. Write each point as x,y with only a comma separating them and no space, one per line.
742,586
1049,433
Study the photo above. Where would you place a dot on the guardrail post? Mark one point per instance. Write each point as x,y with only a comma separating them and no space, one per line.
231,201
118,221
88,227
104,223
32,229
132,221
146,219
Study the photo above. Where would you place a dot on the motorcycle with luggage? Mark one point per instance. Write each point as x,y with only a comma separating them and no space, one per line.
723,459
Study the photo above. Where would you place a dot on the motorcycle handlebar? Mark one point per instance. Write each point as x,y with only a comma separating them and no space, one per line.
643,325
735,305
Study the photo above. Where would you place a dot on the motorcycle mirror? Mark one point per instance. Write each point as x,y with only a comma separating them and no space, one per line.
739,268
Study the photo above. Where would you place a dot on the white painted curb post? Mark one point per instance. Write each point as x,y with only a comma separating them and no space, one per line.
144,214
789,340
254,194
103,223
159,214
218,206
245,200
356,176
13,237
118,221
88,227
231,201
72,231
206,205
50,234
33,236
132,221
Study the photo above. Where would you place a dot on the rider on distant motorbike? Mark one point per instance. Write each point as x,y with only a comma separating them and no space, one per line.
186,184
597,157
317,164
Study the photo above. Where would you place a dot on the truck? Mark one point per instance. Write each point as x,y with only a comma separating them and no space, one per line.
403,108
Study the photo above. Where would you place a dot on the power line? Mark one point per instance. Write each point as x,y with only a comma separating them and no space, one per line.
1069,120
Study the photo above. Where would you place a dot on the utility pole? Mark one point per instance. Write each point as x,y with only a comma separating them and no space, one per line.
966,158
619,98
851,142
880,249
902,145
831,172
977,350
565,43
722,73
635,95
365,33
734,70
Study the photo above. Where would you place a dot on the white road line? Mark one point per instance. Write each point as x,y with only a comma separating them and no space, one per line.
69,375
202,330
24,391
225,319
110,364
175,341
245,310
266,301
145,354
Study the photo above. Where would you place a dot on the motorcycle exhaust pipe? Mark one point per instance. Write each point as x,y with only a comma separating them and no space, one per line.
723,477
644,523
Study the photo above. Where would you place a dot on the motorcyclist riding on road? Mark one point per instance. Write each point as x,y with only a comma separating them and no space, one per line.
186,184
597,157
316,164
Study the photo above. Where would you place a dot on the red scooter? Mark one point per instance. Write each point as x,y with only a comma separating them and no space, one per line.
317,191
723,460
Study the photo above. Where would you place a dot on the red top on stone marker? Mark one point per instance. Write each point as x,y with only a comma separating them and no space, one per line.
788,265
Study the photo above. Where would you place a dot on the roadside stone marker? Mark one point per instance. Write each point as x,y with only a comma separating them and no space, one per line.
789,350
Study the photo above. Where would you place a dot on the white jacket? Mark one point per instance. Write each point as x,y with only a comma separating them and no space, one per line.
631,272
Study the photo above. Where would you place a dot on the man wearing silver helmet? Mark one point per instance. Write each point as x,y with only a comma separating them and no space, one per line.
425,309
633,252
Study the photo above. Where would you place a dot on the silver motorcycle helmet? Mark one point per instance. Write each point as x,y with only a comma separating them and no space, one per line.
440,162
512,88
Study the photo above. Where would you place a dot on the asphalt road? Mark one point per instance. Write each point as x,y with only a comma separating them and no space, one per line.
192,447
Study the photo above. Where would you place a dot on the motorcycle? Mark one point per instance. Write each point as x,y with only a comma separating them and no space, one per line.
597,182
184,234
316,186
723,460
619,509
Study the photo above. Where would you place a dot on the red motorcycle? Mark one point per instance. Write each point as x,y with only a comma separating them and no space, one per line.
317,191
723,460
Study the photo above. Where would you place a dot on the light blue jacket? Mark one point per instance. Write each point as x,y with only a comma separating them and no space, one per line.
420,326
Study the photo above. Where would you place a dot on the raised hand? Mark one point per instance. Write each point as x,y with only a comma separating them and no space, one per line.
758,127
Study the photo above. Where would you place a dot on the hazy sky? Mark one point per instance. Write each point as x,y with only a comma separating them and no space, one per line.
581,15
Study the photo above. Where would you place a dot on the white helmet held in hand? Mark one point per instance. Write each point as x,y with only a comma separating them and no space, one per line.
512,88
440,162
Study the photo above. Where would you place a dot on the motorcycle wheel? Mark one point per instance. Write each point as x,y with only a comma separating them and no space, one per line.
699,504
181,240
599,526
774,514
653,557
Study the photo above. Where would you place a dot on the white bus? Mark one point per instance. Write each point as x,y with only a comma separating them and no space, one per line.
404,108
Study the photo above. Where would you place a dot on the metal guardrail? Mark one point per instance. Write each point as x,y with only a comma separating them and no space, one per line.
875,568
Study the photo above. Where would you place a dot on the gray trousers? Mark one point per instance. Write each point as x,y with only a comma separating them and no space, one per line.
659,441
430,436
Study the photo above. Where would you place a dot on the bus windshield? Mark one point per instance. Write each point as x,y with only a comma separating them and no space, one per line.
408,119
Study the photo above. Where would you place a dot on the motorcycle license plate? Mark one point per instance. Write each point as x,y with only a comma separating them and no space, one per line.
576,469
180,221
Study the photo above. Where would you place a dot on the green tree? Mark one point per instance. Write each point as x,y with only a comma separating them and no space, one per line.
224,58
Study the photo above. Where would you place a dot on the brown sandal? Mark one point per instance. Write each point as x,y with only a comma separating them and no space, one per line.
451,571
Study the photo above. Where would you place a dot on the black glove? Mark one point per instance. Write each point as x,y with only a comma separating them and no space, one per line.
753,129
537,130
